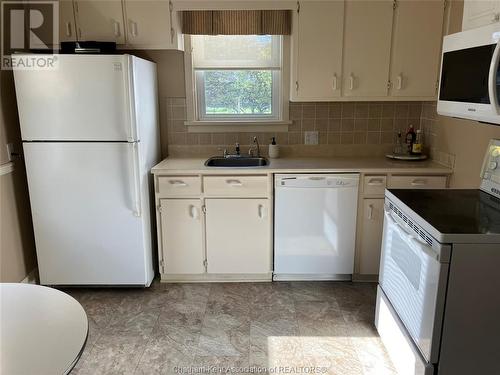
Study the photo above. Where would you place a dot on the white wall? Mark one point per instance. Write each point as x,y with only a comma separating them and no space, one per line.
17,247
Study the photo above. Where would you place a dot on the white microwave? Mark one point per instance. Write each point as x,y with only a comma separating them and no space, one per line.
470,80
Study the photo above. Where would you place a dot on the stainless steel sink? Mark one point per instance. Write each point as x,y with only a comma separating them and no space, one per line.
242,161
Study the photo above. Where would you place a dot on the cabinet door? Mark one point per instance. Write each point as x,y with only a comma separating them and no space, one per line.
67,29
418,29
371,236
238,236
182,236
100,20
479,13
148,25
317,50
367,47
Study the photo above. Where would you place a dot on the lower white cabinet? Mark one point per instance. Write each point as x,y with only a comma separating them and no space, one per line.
238,236
371,215
214,227
182,236
370,239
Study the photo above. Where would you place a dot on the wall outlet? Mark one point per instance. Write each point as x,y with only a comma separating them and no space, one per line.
311,138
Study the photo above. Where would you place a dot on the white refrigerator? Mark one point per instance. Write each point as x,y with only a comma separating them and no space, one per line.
90,137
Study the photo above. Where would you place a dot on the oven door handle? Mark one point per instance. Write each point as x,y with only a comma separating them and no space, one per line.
492,79
412,241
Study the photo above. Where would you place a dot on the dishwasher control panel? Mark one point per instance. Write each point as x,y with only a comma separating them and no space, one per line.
317,180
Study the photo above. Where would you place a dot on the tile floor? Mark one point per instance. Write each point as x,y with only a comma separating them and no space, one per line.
176,328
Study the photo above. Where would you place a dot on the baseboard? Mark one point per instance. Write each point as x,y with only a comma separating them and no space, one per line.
311,277
32,277
219,278
364,278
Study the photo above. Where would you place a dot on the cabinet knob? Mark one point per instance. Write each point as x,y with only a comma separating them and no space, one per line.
370,212
117,28
193,212
399,82
351,82
177,183
234,183
133,28
496,17
419,182
261,211
334,85
375,182
68,29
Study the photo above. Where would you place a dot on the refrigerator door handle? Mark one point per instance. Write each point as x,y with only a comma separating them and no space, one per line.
133,136
137,180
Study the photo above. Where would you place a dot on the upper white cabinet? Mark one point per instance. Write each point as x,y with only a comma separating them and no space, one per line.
367,47
67,28
134,24
152,25
366,50
317,50
100,20
416,47
479,13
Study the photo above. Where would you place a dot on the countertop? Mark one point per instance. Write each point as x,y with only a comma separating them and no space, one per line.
376,164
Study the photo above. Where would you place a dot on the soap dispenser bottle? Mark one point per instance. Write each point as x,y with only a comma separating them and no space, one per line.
274,151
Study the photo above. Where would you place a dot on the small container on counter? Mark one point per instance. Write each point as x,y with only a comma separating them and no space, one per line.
274,150
417,146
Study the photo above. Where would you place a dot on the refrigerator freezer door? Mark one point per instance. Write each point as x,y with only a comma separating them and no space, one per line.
86,98
87,215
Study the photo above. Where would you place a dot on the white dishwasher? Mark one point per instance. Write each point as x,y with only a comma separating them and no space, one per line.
315,226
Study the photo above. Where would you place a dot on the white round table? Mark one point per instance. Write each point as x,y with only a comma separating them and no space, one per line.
42,330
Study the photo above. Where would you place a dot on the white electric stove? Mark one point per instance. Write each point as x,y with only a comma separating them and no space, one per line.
438,300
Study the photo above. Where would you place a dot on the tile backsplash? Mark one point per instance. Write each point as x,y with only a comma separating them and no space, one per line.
348,128
430,126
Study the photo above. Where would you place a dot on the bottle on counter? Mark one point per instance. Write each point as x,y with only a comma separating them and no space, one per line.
418,144
410,139
398,149
274,151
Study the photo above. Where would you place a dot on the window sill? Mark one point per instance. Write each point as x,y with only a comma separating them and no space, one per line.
237,126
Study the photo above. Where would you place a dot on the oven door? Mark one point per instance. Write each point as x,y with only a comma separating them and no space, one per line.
413,277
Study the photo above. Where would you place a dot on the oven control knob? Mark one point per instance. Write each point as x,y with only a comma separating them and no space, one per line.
493,165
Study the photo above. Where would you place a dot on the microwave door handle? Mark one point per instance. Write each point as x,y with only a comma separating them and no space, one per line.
492,79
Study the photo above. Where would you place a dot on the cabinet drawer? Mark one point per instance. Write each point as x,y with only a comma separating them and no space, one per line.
241,186
179,185
374,185
417,182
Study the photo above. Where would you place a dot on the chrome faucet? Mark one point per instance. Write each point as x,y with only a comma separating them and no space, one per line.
256,143
236,154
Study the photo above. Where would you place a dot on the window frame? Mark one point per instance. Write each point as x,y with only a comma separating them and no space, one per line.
277,121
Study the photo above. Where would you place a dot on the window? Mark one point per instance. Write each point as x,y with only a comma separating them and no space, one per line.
236,78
